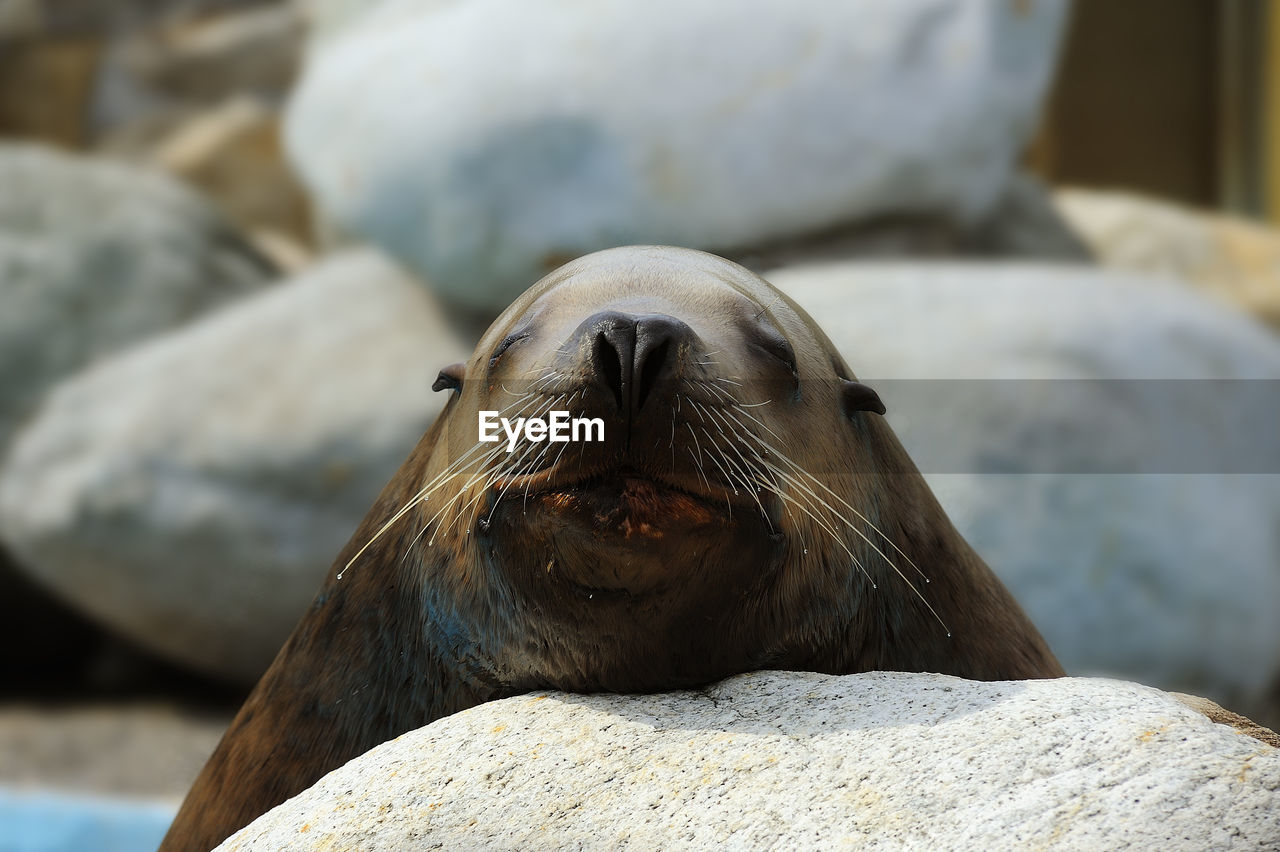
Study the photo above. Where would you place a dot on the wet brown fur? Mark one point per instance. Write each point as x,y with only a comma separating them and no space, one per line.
422,626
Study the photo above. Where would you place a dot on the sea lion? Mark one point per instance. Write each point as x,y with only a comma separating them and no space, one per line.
747,508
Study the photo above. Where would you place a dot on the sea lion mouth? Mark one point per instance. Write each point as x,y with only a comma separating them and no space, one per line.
637,499
626,532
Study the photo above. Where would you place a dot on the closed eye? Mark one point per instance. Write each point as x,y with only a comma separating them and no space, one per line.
506,344
780,349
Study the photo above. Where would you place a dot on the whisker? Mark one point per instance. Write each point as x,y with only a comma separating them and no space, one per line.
812,494
439,480
856,513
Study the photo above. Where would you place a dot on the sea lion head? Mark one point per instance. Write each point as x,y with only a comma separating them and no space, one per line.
717,490
721,490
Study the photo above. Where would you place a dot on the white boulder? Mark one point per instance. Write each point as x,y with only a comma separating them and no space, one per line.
485,142
802,761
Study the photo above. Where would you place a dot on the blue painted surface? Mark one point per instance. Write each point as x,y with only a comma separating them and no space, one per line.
59,822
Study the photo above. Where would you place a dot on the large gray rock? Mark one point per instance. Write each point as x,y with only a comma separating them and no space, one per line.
328,17
802,761
484,142
1136,521
94,257
192,492
1023,223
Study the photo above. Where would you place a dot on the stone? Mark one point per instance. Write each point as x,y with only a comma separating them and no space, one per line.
142,749
1134,520
211,58
183,59
291,257
1024,223
1231,257
63,71
96,256
484,143
325,18
192,492
20,19
232,154
1217,713
79,17
110,72
778,760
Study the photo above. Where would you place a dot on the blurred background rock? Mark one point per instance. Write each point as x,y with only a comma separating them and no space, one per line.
238,238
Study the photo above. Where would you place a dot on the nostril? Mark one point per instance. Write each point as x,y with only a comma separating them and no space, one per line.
609,365
633,356
654,360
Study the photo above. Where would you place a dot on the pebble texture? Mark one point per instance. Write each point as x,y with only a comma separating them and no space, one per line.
484,143
803,761
192,492
1135,521
96,256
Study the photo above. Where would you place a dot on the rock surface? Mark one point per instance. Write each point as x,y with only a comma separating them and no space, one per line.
103,69
1135,521
192,492
142,749
94,257
1023,223
787,760
232,154
250,51
1233,258
484,143
31,18
63,71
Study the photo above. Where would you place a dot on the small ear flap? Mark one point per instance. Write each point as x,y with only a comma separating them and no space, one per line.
450,377
855,396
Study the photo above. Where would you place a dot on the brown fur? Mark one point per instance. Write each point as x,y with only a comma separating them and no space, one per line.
620,569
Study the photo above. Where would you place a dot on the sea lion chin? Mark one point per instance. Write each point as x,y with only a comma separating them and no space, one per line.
745,506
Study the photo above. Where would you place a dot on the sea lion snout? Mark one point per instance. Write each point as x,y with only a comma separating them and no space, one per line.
631,355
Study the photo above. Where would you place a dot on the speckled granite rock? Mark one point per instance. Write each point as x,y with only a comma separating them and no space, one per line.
803,761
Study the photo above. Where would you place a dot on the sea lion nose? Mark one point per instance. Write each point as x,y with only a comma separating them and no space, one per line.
633,354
